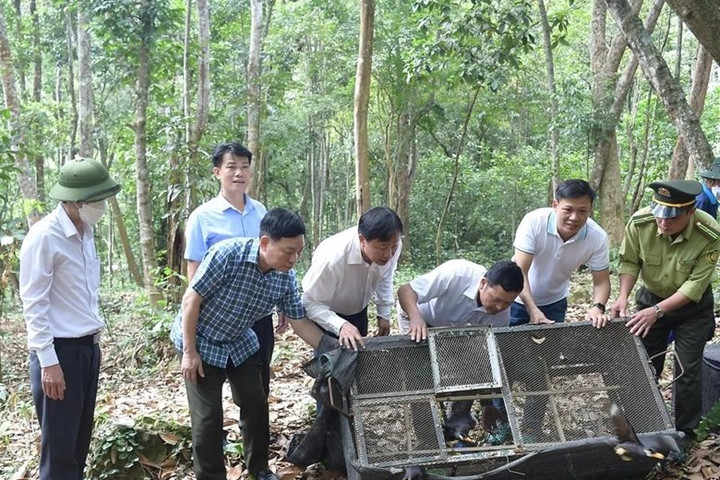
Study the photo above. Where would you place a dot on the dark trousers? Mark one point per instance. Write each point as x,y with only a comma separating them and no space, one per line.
206,417
693,325
263,328
553,311
66,425
360,320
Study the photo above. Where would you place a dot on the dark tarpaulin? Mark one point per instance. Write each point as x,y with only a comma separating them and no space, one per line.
323,442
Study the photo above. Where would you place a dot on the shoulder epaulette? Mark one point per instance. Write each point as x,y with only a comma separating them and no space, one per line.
708,231
643,218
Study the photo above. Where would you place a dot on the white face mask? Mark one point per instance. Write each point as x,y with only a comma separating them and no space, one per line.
716,191
92,212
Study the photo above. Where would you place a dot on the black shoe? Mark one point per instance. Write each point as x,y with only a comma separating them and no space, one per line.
266,474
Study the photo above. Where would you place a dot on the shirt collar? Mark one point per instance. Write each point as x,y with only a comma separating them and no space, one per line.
254,252
67,225
471,293
355,255
552,229
710,195
224,204
684,235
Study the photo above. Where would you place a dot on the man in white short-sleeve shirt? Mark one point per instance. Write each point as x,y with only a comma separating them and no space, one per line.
550,244
458,293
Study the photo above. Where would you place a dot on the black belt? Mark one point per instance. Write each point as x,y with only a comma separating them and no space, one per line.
91,339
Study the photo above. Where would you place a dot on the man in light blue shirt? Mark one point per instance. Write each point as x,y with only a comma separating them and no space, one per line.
231,214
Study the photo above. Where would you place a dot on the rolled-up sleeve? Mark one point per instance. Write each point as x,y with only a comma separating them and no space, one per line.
384,298
702,273
629,252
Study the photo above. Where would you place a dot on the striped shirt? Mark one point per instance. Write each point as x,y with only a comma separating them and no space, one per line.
235,294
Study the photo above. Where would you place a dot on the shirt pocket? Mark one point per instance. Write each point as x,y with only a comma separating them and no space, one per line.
92,274
685,265
652,264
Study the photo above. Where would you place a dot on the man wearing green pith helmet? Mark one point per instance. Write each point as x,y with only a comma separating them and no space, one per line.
59,281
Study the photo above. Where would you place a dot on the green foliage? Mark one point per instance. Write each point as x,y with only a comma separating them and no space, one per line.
233,450
115,452
125,451
709,423
471,41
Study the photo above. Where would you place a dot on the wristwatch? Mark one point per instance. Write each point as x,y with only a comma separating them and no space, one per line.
659,312
600,306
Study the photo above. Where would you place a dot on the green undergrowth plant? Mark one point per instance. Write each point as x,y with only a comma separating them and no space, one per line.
709,423
149,448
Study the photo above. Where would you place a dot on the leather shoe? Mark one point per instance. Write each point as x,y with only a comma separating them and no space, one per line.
266,474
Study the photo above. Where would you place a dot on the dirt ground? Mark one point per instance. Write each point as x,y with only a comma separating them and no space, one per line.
141,380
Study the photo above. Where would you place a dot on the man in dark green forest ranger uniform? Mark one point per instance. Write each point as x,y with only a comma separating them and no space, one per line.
673,248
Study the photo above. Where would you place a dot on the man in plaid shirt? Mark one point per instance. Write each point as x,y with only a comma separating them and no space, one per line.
238,281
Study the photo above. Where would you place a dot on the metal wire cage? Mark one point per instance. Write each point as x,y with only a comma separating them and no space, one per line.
548,385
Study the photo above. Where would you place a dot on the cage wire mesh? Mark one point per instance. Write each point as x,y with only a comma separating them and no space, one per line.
548,385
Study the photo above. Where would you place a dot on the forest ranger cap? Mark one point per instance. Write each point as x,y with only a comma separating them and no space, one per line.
83,180
673,197
714,171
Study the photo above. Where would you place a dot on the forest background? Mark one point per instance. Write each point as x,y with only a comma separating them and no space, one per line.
459,114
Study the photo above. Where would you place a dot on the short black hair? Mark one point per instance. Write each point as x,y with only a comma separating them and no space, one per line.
574,188
506,274
236,148
380,223
282,223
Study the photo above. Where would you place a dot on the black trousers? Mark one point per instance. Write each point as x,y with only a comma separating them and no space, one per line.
66,425
694,325
263,328
206,417
360,320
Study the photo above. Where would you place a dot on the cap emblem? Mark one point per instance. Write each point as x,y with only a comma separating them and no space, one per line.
663,191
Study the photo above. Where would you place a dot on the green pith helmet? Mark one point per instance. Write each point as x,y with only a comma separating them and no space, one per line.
714,171
83,180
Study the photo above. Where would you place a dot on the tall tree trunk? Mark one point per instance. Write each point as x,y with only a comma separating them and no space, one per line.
453,182
17,135
698,92
39,158
550,67
254,98
119,220
20,61
144,197
178,205
678,47
85,91
605,175
361,102
702,18
667,87
71,84
37,52
190,200
402,172
607,110
203,99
